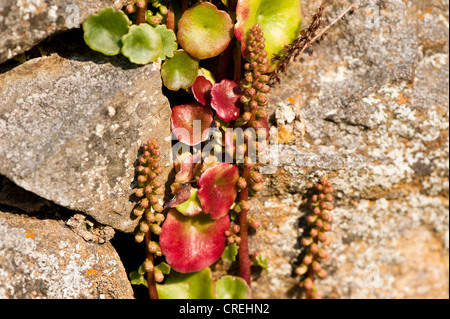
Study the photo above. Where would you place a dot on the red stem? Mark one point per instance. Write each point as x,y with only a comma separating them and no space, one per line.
184,5
150,274
244,254
140,13
233,4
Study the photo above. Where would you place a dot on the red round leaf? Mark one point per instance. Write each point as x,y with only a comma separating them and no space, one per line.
191,123
192,243
225,100
218,189
202,90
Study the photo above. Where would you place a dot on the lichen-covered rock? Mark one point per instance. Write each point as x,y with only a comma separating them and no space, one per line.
45,259
71,129
370,109
24,24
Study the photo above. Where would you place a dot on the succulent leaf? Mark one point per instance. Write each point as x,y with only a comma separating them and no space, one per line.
280,21
142,44
197,285
192,243
202,90
103,31
180,71
169,41
191,123
218,189
204,31
192,206
225,100
232,287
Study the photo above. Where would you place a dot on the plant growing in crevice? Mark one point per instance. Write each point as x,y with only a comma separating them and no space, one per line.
217,60
315,240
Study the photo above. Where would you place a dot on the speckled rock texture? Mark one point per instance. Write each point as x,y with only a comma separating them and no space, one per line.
25,23
71,129
369,108
45,259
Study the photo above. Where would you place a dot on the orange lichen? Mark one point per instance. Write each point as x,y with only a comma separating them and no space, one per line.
29,234
91,272
285,135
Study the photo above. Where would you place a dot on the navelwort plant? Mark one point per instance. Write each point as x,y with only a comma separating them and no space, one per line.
217,60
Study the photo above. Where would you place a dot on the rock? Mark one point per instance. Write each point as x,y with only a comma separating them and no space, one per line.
73,136
45,259
89,231
24,24
371,107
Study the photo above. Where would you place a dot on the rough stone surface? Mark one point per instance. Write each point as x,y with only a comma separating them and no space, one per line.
25,23
369,108
371,111
45,259
71,129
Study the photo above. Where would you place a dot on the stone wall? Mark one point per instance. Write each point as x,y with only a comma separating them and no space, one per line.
369,108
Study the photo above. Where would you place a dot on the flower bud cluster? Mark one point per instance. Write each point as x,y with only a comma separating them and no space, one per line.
149,189
320,223
254,84
155,16
232,234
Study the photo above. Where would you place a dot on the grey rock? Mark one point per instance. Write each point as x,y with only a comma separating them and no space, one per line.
372,112
45,259
24,24
89,231
71,129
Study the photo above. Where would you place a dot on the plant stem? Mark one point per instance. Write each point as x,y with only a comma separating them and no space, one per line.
244,254
184,5
150,274
233,4
140,13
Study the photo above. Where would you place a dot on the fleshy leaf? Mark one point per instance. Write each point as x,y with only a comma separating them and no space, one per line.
231,287
184,166
183,194
191,123
204,31
142,44
138,279
202,90
197,285
261,262
225,100
103,31
163,267
192,206
169,41
230,252
280,21
218,189
192,243
180,71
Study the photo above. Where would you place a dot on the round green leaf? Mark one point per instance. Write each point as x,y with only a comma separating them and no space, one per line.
103,31
180,71
280,21
231,287
142,44
204,31
196,285
169,41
